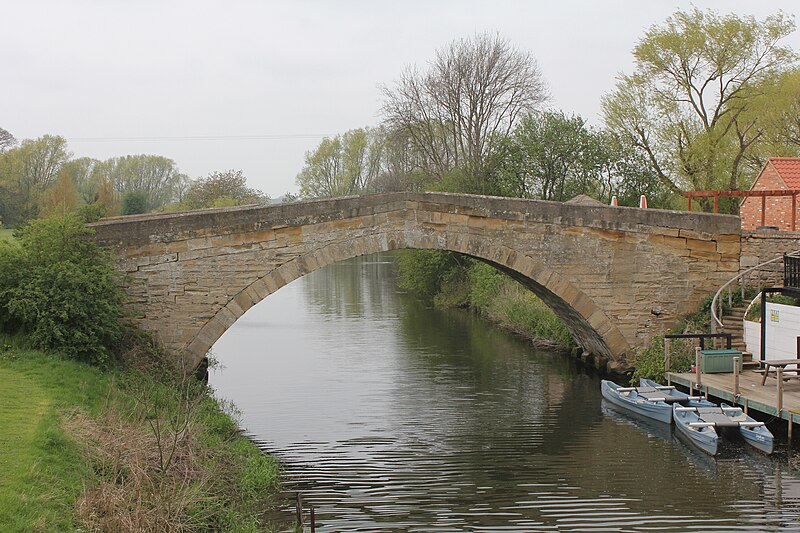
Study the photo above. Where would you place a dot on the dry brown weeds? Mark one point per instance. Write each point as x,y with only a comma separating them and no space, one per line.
139,491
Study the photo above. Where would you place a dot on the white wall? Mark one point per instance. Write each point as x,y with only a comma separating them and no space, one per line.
783,328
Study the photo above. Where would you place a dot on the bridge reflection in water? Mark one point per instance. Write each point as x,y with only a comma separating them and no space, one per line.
391,416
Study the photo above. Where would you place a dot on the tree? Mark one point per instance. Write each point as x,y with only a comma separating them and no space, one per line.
81,172
343,165
472,94
552,156
155,176
134,202
778,112
221,189
685,106
7,140
26,172
549,156
61,198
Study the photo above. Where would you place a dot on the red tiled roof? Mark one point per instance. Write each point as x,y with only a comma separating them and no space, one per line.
789,170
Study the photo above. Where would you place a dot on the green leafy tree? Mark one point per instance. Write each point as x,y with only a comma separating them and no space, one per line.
777,110
344,165
61,289
553,156
26,172
550,156
134,203
221,189
156,176
685,107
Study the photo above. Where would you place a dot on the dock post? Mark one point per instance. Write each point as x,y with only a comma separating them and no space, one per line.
779,401
735,379
299,510
697,379
666,360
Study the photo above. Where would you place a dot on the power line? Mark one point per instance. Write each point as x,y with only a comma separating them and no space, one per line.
272,137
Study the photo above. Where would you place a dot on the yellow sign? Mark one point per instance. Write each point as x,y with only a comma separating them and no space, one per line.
773,316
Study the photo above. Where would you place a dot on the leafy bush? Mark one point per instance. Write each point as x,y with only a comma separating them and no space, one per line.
134,203
649,363
424,272
61,289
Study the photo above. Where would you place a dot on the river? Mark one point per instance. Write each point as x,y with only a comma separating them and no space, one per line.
392,416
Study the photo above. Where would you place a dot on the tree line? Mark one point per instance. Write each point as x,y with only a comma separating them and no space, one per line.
711,97
40,177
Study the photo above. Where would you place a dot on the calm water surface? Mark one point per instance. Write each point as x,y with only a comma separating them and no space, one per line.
390,416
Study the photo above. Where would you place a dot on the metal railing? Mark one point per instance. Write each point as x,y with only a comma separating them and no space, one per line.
716,303
791,271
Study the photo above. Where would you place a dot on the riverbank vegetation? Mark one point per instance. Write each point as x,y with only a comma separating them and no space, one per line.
649,362
100,431
118,450
452,280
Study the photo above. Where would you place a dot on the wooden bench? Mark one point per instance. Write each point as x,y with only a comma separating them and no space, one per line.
773,366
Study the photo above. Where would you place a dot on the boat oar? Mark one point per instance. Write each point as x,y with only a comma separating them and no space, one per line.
701,424
751,424
666,387
656,399
625,389
730,409
686,409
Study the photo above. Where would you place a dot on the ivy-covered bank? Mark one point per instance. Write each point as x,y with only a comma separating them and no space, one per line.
98,431
452,280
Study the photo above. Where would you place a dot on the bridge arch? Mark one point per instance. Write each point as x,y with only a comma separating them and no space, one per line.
614,275
584,319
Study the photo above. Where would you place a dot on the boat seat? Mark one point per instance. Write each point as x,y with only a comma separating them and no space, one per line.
714,415
650,392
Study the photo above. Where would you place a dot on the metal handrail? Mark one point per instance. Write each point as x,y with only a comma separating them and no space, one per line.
752,302
716,303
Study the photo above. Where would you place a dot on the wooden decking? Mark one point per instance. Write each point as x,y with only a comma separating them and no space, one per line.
752,395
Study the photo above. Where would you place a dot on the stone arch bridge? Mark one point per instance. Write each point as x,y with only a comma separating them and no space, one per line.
614,275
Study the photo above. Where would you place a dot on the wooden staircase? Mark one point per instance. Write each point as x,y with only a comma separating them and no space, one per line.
732,323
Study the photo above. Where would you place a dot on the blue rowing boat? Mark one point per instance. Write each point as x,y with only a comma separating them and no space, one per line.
650,399
700,425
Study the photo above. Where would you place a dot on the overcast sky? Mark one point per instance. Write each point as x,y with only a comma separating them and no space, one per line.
124,77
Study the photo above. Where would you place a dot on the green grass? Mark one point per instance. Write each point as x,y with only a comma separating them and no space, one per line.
45,468
6,233
41,470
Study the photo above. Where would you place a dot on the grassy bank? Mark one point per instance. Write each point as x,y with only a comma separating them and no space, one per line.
85,449
450,280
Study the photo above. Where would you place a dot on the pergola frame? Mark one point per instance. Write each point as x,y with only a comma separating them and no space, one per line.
763,194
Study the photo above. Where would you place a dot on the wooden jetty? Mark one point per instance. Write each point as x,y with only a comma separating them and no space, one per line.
777,397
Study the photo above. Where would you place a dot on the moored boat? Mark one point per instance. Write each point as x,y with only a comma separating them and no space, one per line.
699,432
650,401
754,433
683,398
700,425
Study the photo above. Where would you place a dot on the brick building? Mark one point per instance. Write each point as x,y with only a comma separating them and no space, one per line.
779,173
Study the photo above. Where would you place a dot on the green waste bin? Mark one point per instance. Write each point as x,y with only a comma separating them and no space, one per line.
719,361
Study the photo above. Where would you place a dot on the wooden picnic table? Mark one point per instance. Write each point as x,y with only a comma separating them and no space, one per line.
775,364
